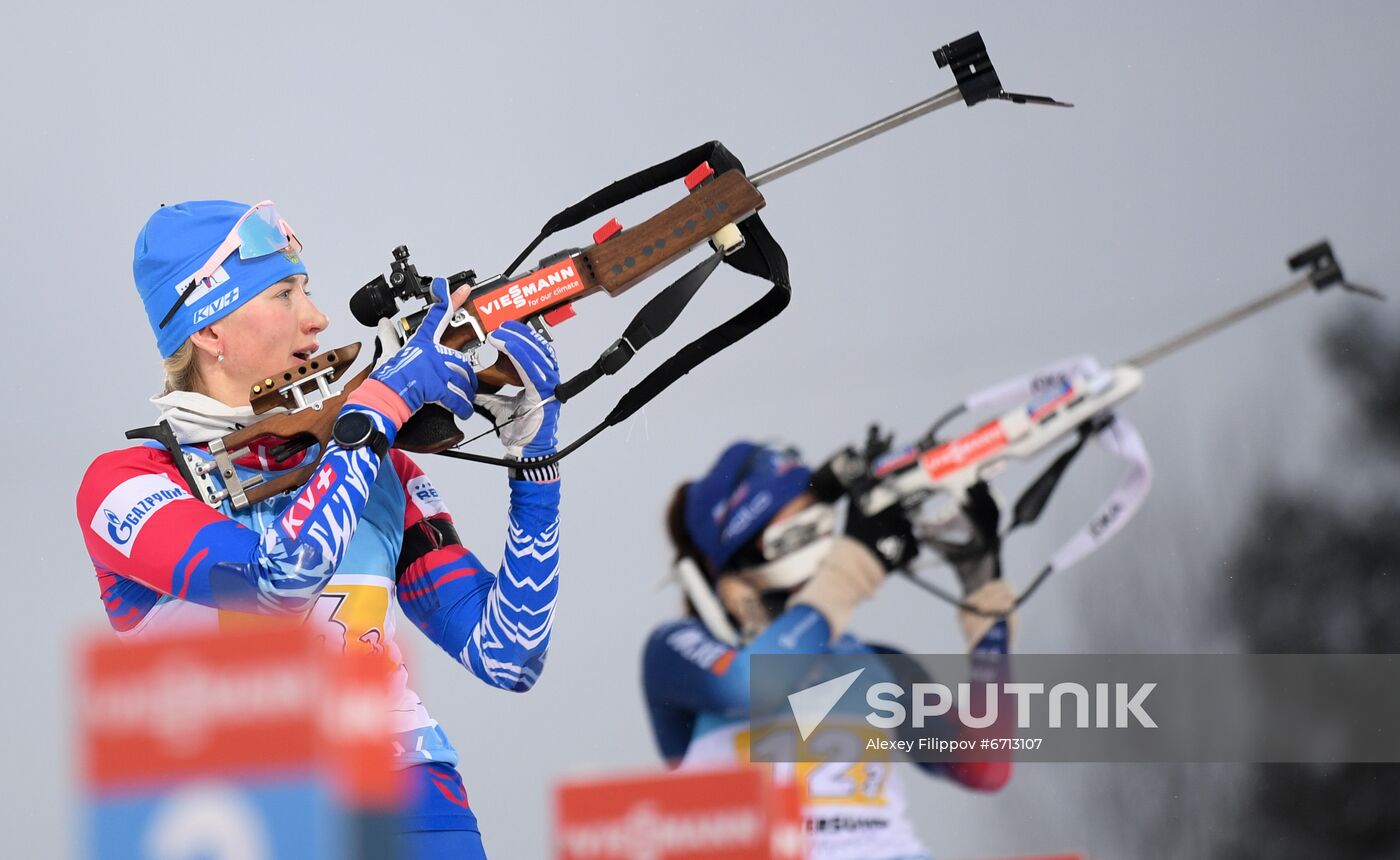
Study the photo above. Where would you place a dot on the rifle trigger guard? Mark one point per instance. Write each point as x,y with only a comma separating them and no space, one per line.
614,359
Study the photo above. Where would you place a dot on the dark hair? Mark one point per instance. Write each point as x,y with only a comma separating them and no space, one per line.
681,541
680,537
774,602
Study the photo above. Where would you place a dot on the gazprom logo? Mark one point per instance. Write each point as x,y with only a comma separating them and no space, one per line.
121,516
118,528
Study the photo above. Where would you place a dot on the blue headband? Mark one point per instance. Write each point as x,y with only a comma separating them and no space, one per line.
174,244
731,504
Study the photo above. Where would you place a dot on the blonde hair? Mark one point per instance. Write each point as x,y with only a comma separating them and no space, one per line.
181,371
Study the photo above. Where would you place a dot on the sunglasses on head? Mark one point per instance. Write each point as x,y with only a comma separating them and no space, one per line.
260,231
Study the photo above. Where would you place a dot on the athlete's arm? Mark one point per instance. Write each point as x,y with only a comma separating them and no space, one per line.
988,664
496,625
141,524
686,671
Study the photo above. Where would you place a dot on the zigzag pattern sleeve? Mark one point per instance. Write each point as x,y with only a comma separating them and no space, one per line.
496,626
507,645
140,523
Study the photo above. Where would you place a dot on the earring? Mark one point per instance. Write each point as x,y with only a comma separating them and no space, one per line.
221,357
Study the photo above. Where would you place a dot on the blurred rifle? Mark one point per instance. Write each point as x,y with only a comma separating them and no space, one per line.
1074,401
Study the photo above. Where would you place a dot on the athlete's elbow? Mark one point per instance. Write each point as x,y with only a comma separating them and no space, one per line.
285,585
513,677
513,684
248,589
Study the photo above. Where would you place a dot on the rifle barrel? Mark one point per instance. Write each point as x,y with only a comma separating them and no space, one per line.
1225,320
949,96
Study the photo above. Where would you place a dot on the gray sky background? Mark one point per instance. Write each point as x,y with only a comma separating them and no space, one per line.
1210,141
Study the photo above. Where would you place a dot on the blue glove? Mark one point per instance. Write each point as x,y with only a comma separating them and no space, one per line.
425,371
532,413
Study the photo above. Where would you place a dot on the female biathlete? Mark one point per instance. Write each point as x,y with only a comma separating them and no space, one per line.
225,289
764,572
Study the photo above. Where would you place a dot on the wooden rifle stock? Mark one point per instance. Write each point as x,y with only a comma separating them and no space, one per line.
274,391
299,428
620,262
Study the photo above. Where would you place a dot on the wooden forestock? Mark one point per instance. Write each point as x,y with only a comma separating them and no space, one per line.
620,262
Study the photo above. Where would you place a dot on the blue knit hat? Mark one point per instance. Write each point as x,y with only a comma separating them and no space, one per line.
174,244
732,503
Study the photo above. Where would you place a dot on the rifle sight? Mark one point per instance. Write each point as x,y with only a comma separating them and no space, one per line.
378,299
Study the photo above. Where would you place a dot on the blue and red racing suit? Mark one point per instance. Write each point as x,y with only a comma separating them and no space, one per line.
336,553
697,691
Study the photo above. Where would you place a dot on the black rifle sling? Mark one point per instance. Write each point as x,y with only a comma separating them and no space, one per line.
1035,497
654,318
162,432
1033,500
761,256
1027,510
629,187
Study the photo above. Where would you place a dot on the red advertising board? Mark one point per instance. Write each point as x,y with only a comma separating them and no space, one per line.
264,700
734,813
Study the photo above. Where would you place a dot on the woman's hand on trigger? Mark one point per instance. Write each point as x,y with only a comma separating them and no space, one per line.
425,371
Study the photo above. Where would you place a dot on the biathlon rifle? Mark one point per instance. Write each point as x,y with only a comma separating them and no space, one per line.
720,209
1071,400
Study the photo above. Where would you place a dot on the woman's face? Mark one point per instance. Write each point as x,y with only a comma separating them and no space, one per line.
273,331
